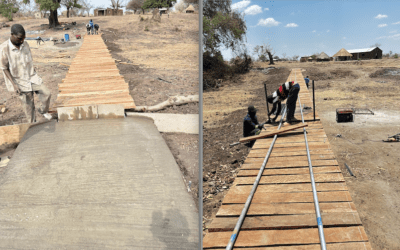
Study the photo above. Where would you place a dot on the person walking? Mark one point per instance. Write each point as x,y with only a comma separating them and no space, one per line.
20,76
289,91
307,80
91,26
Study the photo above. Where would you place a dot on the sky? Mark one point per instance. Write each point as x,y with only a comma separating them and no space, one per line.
307,27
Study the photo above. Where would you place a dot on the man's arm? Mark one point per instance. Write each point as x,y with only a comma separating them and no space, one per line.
8,75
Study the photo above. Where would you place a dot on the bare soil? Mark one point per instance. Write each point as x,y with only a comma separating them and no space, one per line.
370,84
165,62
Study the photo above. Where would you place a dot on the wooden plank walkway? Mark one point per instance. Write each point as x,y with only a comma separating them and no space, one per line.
93,78
282,213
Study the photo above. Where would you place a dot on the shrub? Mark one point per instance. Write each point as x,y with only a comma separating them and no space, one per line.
146,29
396,55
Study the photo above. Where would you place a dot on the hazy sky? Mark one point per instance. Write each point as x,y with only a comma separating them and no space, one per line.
307,27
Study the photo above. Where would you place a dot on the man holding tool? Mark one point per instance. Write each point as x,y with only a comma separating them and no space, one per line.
289,91
250,125
20,76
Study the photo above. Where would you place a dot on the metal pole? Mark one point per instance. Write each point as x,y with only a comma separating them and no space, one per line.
253,190
314,190
313,97
266,99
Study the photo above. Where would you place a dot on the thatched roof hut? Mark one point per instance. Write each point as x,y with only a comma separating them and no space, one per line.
323,56
342,53
189,9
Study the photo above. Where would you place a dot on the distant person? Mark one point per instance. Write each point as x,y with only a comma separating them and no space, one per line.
91,26
289,91
307,81
96,29
250,124
88,28
20,76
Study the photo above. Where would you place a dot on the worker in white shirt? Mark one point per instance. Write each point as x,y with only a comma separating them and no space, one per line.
20,76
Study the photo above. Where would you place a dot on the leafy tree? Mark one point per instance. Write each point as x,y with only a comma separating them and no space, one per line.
69,4
135,5
49,5
222,26
396,55
149,4
265,50
8,8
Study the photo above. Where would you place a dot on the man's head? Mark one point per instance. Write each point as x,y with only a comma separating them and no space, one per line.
252,110
307,77
17,35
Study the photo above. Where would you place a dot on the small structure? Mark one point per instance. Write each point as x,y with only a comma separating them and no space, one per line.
129,12
189,9
163,11
370,53
323,57
305,58
108,12
342,55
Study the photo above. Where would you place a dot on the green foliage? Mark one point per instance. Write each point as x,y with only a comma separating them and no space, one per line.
146,29
46,4
71,4
7,8
148,4
396,55
262,58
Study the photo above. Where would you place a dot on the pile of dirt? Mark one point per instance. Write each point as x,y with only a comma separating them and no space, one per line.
388,73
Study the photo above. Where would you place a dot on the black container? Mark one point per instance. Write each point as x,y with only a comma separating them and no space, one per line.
344,115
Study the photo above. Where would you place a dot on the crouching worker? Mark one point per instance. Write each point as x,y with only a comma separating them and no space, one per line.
96,29
289,91
250,125
88,28
20,76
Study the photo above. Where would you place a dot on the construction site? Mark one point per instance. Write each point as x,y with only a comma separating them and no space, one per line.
117,166
264,197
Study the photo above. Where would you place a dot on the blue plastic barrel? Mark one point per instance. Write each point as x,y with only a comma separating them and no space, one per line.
66,37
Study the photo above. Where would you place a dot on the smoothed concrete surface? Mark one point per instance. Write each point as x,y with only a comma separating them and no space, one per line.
172,123
95,184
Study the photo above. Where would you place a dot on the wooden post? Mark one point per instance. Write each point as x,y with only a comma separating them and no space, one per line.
313,96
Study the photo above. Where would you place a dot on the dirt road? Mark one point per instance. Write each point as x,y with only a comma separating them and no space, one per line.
370,84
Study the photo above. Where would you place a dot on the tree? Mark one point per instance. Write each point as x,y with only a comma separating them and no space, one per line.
222,26
295,57
180,6
69,4
265,50
86,6
375,45
149,4
8,8
135,5
49,5
116,5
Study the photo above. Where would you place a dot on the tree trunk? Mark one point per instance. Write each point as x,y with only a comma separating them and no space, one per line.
53,19
271,59
67,12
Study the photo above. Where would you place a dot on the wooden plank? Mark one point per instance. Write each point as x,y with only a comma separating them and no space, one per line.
330,246
263,135
290,171
286,179
13,134
289,164
257,238
221,224
270,198
257,156
295,148
277,153
291,188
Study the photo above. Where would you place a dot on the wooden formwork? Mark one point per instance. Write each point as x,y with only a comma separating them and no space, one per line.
93,78
282,213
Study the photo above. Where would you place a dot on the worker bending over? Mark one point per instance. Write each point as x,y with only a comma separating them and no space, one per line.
250,124
96,29
88,28
289,91
20,76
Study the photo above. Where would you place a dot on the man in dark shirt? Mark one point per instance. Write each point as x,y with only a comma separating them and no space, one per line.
289,90
250,124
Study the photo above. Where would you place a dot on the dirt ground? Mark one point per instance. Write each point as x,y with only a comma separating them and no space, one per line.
165,59
370,84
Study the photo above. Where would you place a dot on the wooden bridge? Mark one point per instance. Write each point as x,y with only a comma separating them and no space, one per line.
93,78
282,213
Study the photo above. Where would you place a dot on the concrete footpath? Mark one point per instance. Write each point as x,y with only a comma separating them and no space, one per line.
95,184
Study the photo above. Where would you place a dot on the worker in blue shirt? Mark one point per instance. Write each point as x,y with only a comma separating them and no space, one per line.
307,81
91,26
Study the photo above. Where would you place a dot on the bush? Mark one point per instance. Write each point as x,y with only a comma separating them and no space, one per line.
146,29
242,64
396,55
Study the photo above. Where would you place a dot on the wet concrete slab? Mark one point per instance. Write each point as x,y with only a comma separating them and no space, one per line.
95,184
